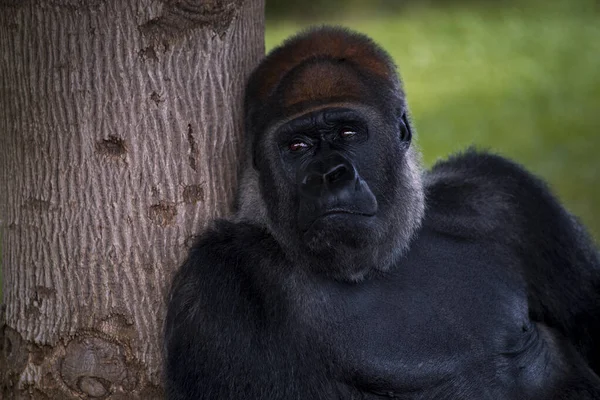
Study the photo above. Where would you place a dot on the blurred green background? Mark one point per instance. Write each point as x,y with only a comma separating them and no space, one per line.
521,78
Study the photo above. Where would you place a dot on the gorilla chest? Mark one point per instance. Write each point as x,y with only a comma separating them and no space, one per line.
442,314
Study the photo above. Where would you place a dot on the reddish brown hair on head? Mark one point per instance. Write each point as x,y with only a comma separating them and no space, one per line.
322,80
333,44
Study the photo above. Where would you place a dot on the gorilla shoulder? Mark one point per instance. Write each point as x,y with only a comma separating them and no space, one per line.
230,256
227,250
475,194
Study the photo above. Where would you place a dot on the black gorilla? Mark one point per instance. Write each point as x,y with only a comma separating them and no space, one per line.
348,273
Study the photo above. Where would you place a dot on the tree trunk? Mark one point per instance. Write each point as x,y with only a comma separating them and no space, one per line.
120,133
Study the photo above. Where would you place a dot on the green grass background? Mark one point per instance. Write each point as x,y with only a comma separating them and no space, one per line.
521,79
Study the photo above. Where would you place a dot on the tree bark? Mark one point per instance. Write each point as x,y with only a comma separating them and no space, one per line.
120,133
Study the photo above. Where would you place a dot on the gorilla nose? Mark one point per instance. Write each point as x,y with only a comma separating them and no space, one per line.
330,176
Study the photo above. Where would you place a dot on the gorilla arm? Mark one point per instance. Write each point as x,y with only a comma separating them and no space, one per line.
479,195
212,319
226,333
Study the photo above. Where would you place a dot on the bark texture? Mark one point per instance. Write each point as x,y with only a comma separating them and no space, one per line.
120,132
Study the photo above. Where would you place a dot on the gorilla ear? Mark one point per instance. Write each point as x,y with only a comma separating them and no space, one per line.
405,131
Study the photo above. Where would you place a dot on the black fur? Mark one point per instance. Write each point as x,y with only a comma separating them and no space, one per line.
471,281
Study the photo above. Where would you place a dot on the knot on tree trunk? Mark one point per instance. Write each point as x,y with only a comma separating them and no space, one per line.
180,16
97,367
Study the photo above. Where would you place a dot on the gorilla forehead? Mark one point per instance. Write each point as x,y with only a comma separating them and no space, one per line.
378,104
323,118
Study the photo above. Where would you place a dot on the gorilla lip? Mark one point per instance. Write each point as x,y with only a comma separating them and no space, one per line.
343,211
337,211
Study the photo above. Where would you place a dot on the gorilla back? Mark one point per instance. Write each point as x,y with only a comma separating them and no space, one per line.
349,273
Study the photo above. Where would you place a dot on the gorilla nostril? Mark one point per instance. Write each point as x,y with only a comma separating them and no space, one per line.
336,173
313,180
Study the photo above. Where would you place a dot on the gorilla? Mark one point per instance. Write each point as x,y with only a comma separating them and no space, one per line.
348,272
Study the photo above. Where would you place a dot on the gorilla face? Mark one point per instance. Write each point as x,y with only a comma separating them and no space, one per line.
338,184
319,156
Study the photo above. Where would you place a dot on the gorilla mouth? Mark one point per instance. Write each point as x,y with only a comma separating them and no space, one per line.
336,211
344,211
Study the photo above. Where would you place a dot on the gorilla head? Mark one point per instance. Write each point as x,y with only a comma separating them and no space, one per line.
330,170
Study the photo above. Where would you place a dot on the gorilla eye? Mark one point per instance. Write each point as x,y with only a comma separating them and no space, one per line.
347,132
298,145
